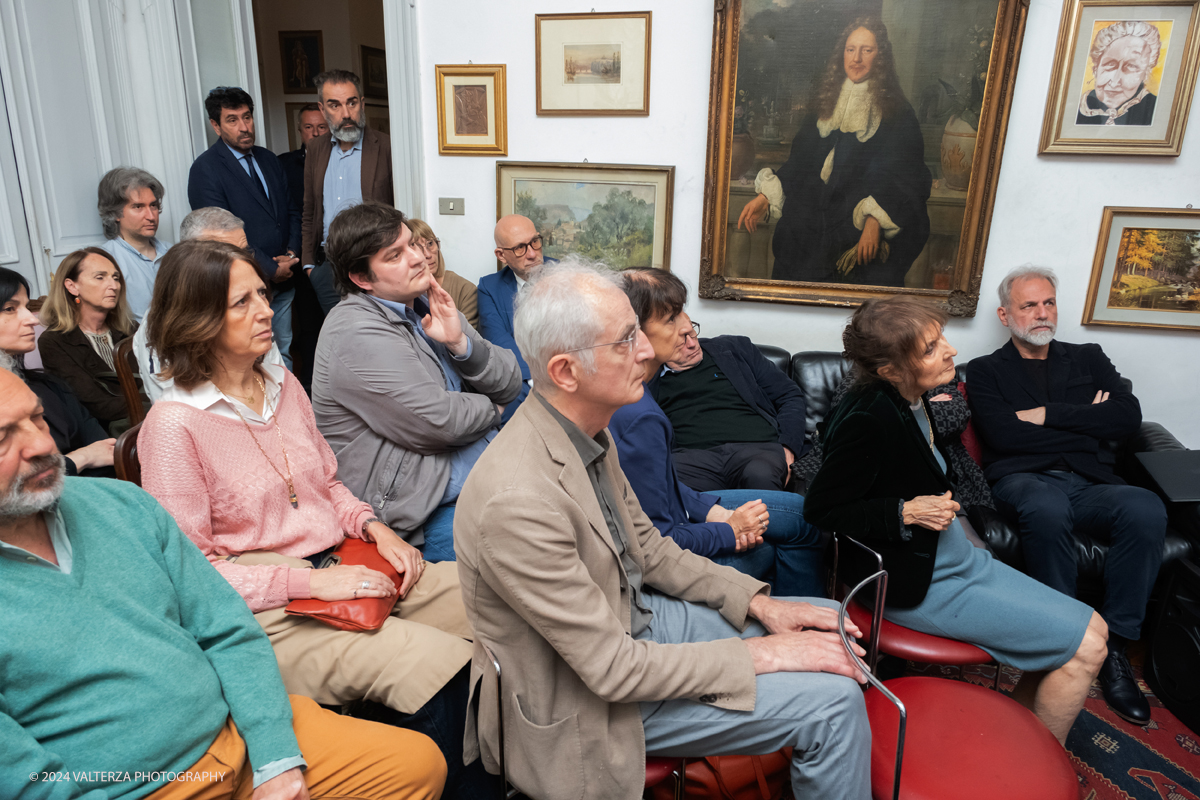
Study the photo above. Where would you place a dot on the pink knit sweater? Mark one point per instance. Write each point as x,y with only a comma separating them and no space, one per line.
207,472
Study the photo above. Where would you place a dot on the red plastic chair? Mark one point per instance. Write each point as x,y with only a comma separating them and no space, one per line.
954,739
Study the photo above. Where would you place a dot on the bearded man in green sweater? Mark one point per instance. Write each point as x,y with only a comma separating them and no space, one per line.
129,668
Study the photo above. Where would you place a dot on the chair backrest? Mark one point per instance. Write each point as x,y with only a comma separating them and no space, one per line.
777,356
818,373
505,791
133,398
125,455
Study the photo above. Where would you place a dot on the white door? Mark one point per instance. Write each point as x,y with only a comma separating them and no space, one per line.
16,248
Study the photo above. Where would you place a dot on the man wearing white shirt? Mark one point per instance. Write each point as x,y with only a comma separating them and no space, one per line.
130,202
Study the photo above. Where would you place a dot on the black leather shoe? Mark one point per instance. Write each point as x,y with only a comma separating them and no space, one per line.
1121,689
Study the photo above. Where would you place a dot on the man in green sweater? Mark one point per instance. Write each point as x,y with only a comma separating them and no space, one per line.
130,668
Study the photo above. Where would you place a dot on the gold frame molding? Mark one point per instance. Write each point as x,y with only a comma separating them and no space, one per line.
962,297
1052,140
644,111
499,104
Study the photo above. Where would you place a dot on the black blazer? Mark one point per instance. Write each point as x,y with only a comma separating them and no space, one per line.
71,426
272,225
1076,431
876,458
70,356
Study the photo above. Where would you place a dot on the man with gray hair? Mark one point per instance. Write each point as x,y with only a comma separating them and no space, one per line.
1123,55
615,642
130,202
1047,413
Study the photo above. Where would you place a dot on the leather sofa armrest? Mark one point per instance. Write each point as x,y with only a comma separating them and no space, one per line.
1154,437
1000,536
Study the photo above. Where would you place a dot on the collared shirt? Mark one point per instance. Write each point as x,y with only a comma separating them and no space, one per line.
245,159
138,272
593,452
58,538
207,397
343,181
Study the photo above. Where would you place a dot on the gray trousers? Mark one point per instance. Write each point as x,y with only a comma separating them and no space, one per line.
821,716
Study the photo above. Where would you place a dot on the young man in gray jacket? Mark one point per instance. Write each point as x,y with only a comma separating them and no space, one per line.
404,390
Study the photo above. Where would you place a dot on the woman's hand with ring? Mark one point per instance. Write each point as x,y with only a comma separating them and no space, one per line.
749,521
345,582
934,512
406,559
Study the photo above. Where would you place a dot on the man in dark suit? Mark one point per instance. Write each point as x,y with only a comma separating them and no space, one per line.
1047,413
357,170
249,182
310,124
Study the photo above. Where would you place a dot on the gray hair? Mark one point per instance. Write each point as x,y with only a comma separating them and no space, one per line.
557,312
8,362
1151,41
203,220
114,191
1020,273
336,76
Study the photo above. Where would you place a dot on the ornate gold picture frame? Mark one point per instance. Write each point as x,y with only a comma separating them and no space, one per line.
471,110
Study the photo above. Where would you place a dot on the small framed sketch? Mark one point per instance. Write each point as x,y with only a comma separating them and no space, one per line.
593,65
303,57
1123,78
1146,273
378,118
471,110
619,214
374,72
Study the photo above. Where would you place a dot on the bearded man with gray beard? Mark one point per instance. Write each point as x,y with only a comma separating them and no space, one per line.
1047,413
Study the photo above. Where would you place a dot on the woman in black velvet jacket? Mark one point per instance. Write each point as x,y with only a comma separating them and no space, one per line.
884,482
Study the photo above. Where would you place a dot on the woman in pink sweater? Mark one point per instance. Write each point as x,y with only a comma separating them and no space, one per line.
233,453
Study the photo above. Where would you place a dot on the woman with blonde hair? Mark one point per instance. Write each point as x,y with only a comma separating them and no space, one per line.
87,317
462,290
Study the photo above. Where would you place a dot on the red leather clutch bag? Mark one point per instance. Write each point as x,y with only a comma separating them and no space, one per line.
364,614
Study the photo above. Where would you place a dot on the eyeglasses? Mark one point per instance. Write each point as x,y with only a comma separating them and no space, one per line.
624,346
695,332
429,245
519,250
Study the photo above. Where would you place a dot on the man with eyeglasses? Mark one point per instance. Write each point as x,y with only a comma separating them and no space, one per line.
519,246
130,203
358,170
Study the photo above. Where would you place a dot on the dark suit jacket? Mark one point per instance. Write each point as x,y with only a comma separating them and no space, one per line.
272,224
496,294
71,426
376,182
761,384
1076,430
70,356
876,458
293,168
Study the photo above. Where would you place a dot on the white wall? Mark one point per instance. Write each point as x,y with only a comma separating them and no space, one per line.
1047,209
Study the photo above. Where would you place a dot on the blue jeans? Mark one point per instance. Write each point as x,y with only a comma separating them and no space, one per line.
794,546
439,535
281,323
323,284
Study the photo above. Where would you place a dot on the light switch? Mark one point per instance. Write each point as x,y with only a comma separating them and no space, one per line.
450,205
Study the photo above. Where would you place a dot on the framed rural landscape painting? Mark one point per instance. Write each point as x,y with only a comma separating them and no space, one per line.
616,213
593,65
1146,273
854,148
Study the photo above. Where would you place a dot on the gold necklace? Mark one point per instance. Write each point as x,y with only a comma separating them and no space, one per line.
929,423
287,464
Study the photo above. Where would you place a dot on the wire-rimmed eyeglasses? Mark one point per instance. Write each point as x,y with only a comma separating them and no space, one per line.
624,346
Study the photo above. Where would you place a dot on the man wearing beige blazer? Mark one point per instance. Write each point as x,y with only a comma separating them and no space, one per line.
358,169
615,642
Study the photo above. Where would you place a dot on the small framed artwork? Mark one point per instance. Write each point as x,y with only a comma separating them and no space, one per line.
471,107
378,118
1123,78
303,57
593,65
1146,273
619,214
374,72
293,118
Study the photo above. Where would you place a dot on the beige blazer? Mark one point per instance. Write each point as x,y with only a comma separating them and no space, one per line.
544,589
375,181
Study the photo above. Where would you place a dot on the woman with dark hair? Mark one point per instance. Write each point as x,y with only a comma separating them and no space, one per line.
86,318
851,198
79,437
464,293
232,451
885,482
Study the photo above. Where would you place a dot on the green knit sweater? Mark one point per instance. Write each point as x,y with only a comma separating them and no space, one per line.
131,664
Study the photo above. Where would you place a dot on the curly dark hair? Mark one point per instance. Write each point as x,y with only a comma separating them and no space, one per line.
227,97
885,84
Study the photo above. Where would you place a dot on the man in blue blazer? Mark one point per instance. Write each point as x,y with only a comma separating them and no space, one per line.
249,182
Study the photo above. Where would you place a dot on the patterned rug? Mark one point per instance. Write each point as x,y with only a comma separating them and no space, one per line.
1114,759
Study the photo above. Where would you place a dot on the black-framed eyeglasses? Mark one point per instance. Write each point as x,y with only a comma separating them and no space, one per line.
519,249
624,346
694,333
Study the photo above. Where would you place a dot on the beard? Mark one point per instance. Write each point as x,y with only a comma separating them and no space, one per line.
349,132
1038,339
19,501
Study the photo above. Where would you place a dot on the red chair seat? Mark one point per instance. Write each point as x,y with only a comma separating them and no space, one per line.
659,769
924,648
964,741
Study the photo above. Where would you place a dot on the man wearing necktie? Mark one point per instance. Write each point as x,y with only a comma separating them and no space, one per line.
249,182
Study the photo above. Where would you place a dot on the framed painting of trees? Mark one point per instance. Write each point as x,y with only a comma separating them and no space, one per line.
619,214
1146,273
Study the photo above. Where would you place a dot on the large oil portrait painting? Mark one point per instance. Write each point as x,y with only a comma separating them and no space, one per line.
854,147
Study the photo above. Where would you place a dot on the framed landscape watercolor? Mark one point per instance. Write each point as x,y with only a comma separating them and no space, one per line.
1123,78
593,64
471,110
1146,273
619,214
854,148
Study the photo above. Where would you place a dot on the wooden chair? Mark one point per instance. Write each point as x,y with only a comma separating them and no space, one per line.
125,455
133,398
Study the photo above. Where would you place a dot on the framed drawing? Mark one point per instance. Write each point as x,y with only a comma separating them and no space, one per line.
303,57
378,118
593,65
471,107
854,148
1146,273
619,214
1123,78
374,72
